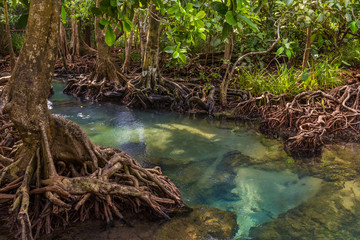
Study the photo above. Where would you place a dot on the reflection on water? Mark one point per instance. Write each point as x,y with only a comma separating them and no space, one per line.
194,153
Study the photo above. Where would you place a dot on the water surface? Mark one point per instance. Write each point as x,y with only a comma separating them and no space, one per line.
202,156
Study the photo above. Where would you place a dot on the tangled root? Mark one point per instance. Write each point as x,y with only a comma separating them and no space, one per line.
44,187
311,119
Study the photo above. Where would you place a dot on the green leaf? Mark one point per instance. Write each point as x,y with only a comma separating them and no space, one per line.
200,15
288,53
104,22
63,14
346,63
182,57
201,35
227,29
126,26
110,36
169,49
172,10
189,7
353,27
280,51
230,19
248,21
199,23
219,7
176,54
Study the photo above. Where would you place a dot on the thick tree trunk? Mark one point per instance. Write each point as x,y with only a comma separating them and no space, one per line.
8,35
126,64
150,67
305,63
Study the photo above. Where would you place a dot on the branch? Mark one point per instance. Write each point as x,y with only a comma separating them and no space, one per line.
256,53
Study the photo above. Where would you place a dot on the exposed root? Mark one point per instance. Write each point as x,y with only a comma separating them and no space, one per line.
59,188
311,119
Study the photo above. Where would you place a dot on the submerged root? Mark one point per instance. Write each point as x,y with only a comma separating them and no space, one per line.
59,188
311,119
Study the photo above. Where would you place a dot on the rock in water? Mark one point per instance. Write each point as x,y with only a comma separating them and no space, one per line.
203,222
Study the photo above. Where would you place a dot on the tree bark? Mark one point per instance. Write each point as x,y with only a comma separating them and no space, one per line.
78,46
75,42
150,67
126,64
305,63
228,50
87,34
63,45
142,36
8,35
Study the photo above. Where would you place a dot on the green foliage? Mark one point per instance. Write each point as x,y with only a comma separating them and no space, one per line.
323,75
350,53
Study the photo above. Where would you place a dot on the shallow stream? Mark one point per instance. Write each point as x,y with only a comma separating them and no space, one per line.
212,162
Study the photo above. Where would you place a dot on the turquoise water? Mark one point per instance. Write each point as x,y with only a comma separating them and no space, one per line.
210,161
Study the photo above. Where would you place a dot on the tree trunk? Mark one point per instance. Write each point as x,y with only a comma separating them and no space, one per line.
126,64
58,175
106,80
75,41
63,46
305,63
227,62
8,35
142,36
150,67
87,34
78,46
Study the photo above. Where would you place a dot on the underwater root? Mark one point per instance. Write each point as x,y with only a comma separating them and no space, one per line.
56,188
311,119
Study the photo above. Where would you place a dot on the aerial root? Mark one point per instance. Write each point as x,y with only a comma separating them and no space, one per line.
313,118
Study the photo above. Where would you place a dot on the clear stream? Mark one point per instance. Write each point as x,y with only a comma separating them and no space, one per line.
196,153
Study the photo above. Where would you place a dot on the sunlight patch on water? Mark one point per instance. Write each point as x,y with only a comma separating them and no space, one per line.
192,153
263,195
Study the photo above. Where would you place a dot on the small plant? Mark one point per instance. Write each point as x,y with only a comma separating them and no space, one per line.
323,75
